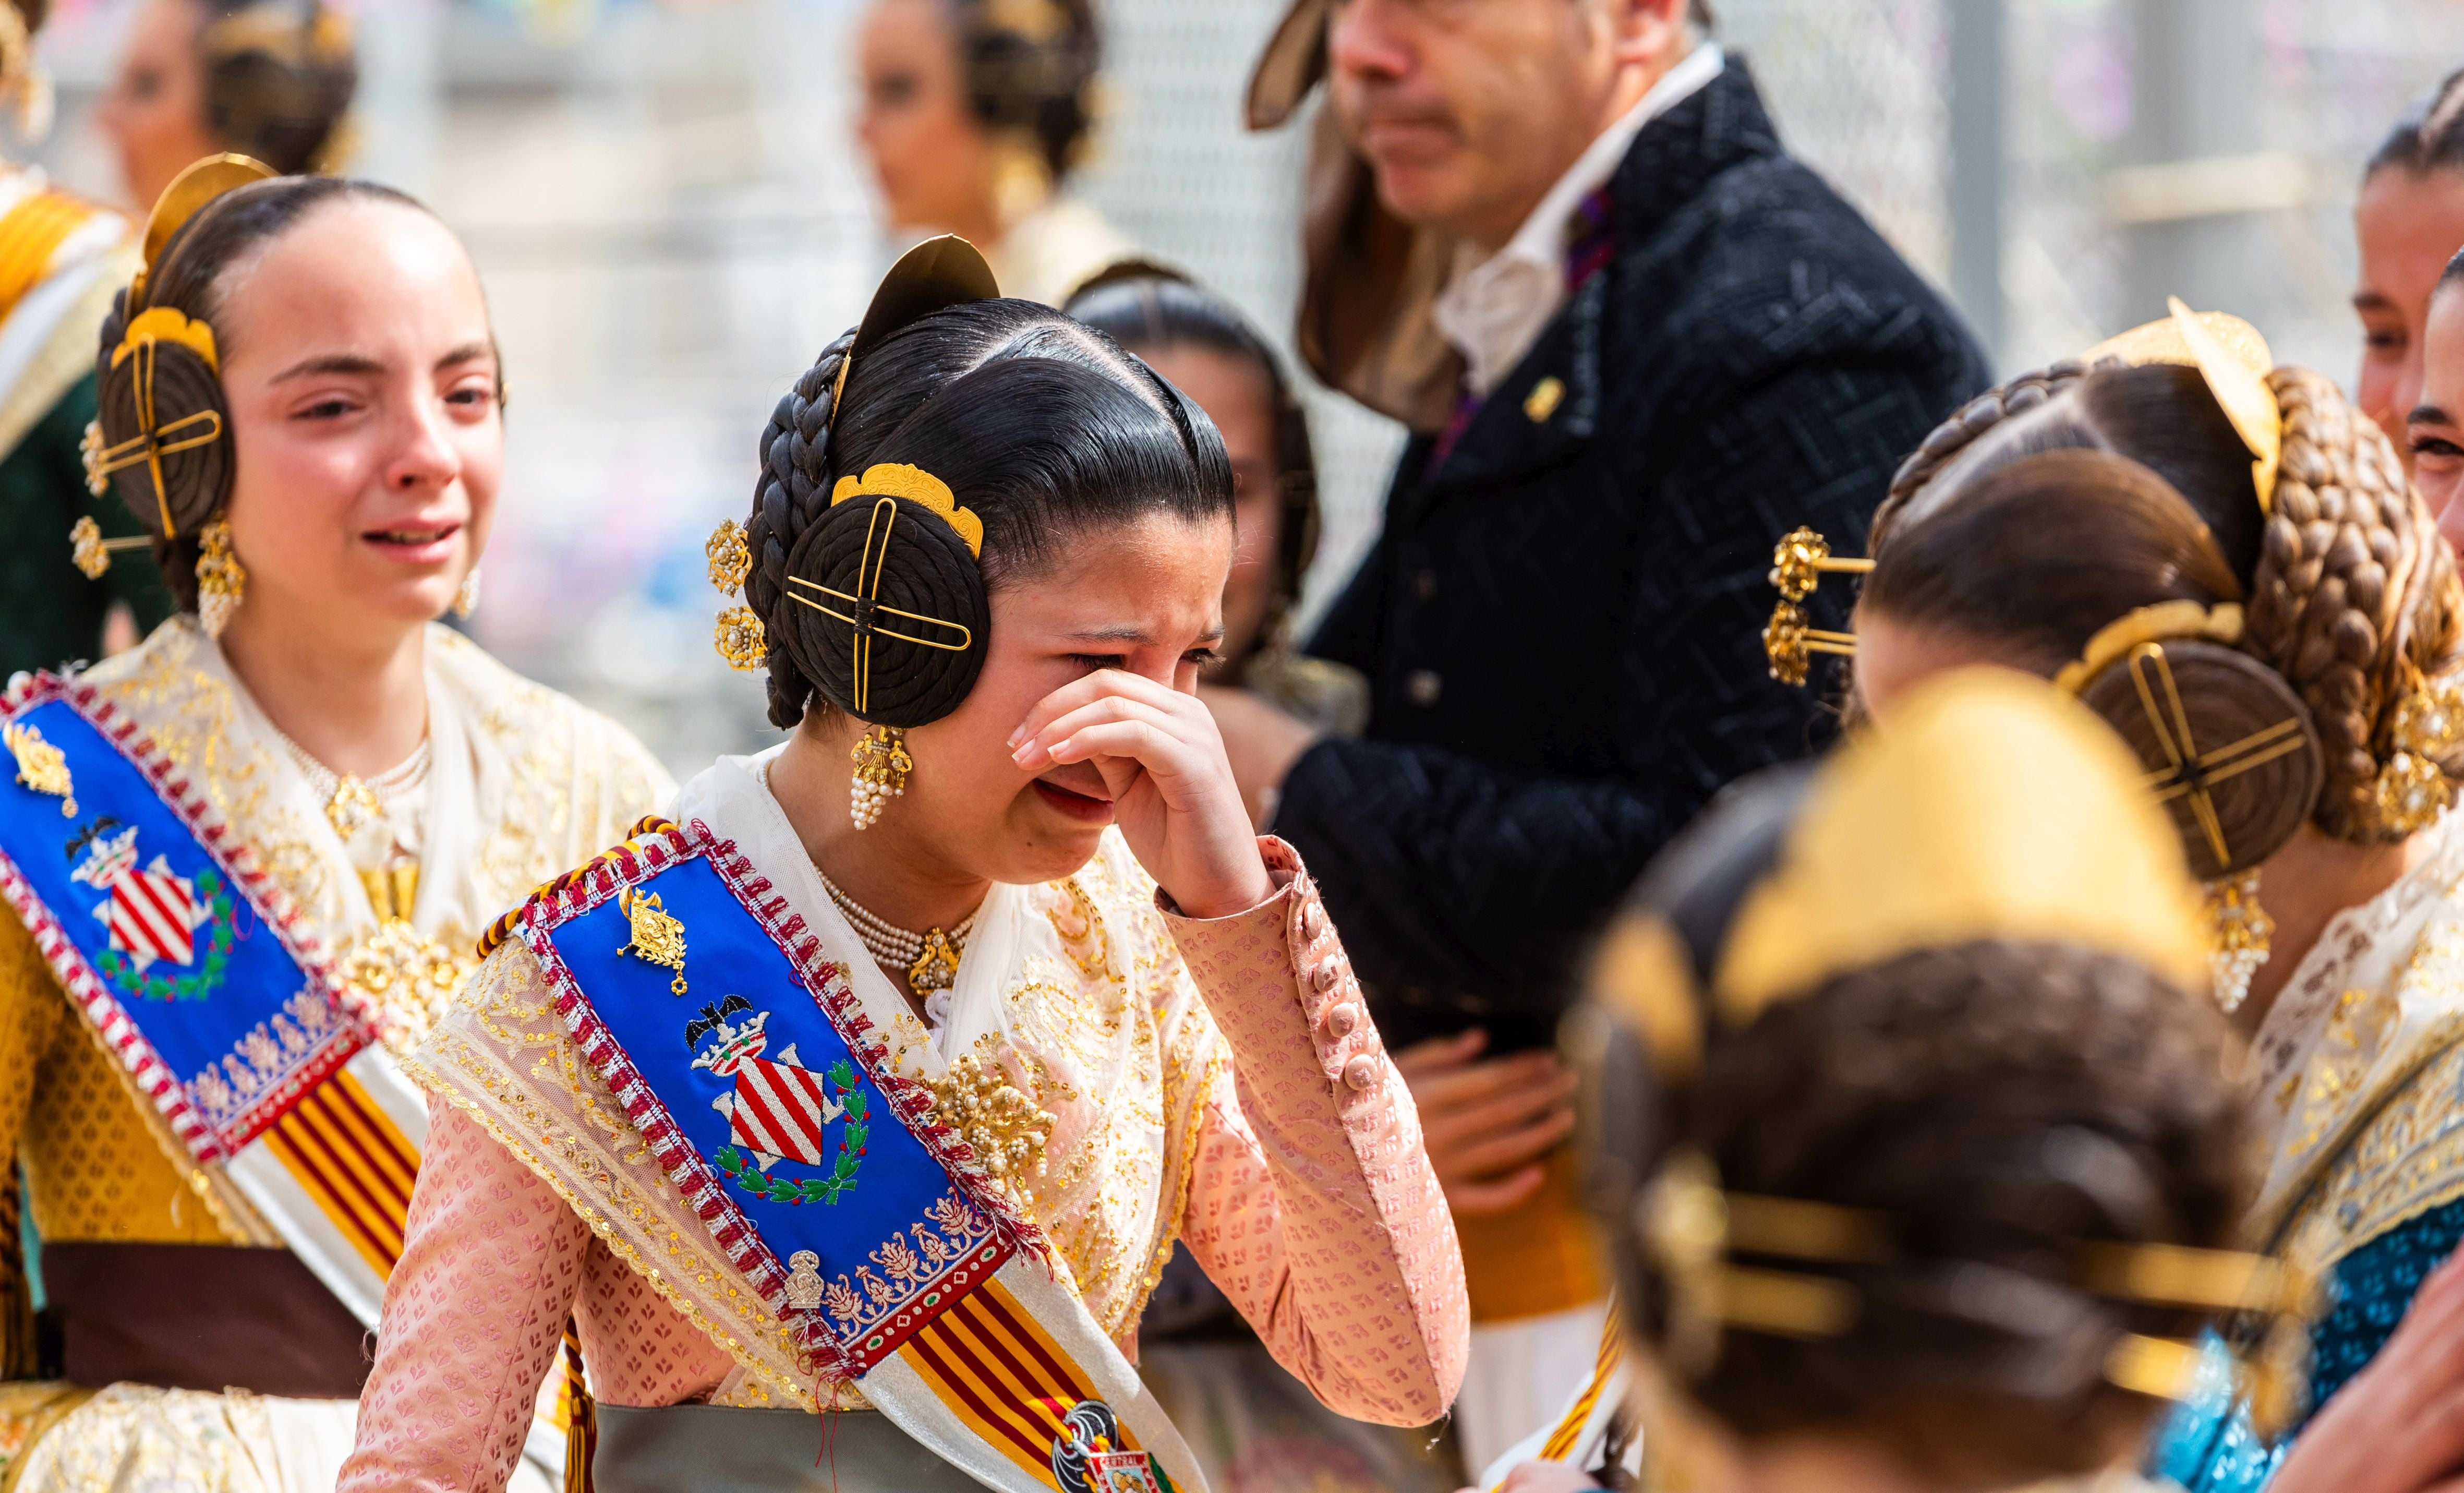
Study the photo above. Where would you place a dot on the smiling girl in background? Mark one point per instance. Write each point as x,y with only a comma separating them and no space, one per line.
245,861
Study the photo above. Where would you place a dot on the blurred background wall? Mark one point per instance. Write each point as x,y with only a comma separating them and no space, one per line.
665,200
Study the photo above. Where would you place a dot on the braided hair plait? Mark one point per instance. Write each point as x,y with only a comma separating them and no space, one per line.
790,496
2355,595
1945,443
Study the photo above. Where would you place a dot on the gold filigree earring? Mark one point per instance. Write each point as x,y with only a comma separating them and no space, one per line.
882,764
2238,931
465,596
2412,789
222,582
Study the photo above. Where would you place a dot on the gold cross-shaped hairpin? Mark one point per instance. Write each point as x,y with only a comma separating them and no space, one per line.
867,605
2191,773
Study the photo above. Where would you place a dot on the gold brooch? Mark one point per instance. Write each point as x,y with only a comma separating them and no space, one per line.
408,976
41,766
2412,789
658,937
1005,1129
740,640
91,552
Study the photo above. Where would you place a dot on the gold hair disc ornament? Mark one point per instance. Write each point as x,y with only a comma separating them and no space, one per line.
2234,359
1918,838
1797,566
885,483
207,179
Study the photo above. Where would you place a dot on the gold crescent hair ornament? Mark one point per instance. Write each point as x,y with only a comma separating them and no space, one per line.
2234,359
935,275
1797,566
188,192
896,480
2164,622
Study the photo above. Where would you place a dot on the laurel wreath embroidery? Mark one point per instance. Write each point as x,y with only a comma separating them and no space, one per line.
118,968
853,1135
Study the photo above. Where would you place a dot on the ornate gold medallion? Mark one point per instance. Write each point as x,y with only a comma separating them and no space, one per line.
658,937
935,966
740,640
41,766
998,1121
352,807
408,976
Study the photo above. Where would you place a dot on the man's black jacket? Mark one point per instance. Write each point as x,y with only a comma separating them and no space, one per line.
1561,623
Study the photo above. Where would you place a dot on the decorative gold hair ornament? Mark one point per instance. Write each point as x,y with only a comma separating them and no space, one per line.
1694,1232
2234,359
885,483
188,193
1797,566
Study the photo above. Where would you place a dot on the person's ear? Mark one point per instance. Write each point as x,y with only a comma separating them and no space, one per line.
1648,33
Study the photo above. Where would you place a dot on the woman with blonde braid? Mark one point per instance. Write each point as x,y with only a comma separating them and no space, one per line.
2223,559
244,863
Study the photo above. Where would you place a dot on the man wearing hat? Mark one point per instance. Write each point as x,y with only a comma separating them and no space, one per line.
1636,343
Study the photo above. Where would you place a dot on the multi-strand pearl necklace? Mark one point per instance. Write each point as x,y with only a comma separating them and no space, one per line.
902,949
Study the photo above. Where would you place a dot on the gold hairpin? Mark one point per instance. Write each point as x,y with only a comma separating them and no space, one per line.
868,604
1797,566
1693,1230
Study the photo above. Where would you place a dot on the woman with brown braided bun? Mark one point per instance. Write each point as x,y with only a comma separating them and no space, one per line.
2224,560
1898,1103
287,815
974,114
268,78
985,959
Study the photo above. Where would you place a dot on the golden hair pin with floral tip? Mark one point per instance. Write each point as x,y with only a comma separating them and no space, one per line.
1797,566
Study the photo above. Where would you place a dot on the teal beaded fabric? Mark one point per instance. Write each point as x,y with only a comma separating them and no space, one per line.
2209,1445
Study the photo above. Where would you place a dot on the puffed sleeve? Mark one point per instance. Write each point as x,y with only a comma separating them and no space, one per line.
1311,1203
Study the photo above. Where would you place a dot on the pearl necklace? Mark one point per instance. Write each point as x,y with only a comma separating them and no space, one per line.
930,959
353,802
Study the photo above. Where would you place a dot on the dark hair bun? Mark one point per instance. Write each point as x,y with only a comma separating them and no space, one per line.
185,398
2236,712
884,557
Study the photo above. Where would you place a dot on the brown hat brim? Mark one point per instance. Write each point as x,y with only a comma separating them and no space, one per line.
1292,64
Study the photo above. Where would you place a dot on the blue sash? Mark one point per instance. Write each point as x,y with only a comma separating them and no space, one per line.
176,947
740,1052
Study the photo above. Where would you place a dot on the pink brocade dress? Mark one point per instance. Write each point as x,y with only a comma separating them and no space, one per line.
1243,1104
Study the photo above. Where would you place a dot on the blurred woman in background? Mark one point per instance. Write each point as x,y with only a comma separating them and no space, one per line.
271,80
2410,222
60,260
974,113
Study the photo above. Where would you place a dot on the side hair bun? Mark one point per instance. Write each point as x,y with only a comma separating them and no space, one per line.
163,428
2230,749
885,611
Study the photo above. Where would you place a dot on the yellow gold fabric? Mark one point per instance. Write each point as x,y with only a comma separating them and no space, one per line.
1536,1260
1990,806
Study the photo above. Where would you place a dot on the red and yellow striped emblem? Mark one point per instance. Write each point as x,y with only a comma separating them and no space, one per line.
995,1367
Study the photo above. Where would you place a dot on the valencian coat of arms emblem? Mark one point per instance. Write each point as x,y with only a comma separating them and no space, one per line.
779,1110
153,915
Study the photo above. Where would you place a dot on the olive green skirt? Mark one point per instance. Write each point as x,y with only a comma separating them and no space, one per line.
713,1449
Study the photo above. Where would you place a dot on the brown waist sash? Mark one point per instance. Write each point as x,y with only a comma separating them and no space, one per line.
201,1317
